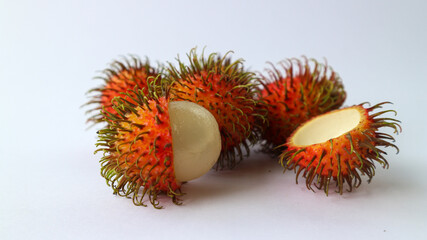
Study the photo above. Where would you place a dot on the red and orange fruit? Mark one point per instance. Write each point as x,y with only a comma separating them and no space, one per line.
340,146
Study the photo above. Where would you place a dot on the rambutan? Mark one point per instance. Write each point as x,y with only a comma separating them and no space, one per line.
293,96
151,145
228,91
119,79
340,145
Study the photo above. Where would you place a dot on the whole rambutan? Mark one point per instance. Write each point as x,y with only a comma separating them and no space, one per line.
151,145
119,79
228,91
302,90
340,146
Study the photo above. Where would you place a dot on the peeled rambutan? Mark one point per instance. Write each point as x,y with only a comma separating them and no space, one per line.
340,145
151,145
228,92
119,79
293,96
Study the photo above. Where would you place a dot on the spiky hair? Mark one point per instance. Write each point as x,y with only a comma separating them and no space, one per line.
119,78
295,91
137,145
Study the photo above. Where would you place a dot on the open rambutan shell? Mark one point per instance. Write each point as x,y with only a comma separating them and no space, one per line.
340,146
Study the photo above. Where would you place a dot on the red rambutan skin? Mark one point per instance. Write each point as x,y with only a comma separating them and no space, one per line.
345,158
297,96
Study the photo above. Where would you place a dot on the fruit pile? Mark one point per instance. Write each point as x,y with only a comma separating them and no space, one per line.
164,126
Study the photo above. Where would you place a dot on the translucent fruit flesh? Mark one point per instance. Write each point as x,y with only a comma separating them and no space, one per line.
196,140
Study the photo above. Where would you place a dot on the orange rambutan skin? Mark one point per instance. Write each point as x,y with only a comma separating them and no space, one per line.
137,147
296,97
223,100
147,155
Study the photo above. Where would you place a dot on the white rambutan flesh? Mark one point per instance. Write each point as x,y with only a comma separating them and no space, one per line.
196,140
327,127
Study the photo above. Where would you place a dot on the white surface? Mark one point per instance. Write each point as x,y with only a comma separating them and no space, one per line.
196,140
51,187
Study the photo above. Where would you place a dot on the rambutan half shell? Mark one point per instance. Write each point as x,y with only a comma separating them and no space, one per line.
294,91
340,145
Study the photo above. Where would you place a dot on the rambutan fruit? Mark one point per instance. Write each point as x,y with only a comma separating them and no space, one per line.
293,96
152,145
119,79
228,91
340,145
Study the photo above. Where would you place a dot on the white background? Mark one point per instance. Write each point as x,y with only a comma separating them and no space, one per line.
50,182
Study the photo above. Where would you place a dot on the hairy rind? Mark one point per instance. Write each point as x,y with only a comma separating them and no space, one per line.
293,92
132,168
345,158
118,79
228,91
